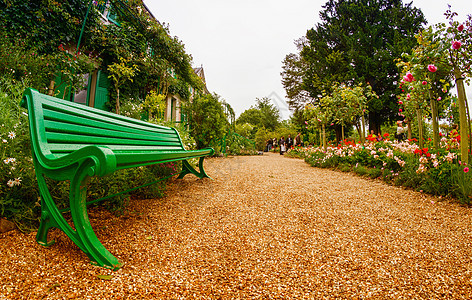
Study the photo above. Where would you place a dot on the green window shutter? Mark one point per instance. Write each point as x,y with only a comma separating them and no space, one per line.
101,91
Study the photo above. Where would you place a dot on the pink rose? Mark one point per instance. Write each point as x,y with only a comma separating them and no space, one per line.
461,27
408,96
432,68
466,169
408,77
439,99
400,110
424,82
400,102
456,45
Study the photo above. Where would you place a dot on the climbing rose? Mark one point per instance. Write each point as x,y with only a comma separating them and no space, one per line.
408,77
432,68
466,169
424,82
456,45
461,27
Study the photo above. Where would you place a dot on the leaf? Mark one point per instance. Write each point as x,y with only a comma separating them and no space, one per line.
105,277
149,238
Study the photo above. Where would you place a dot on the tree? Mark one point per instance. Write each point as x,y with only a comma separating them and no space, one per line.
263,114
119,74
456,43
355,42
208,121
423,83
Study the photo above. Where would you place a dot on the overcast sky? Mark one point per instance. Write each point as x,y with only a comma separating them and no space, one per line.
241,44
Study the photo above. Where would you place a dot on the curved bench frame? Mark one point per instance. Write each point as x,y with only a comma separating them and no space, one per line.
60,154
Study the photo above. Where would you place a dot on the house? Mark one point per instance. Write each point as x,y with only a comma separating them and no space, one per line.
173,102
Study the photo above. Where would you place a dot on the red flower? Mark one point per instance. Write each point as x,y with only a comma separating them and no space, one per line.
432,68
425,150
386,134
417,151
428,155
456,45
460,28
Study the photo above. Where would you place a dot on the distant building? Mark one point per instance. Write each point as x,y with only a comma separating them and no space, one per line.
173,102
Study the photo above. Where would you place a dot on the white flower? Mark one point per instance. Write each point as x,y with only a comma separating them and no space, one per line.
421,169
4,140
11,183
11,135
423,160
17,181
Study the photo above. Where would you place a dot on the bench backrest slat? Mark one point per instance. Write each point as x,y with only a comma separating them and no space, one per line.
64,127
69,130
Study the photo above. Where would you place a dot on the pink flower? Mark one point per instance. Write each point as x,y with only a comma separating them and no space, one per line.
424,82
466,169
408,96
408,77
439,99
400,102
400,110
461,27
432,68
456,45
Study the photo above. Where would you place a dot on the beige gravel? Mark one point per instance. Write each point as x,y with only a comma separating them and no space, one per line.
266,227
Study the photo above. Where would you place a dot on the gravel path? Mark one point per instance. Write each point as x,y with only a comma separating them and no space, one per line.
266,227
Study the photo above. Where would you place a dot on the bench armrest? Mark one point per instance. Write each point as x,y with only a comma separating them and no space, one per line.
104,160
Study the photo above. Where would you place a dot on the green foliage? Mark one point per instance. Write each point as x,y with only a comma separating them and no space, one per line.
263,114
354,43
261,138
44,25
244,129
208,121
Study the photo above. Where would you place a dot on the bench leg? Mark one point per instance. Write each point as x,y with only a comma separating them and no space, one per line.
187,169
51,216
94,249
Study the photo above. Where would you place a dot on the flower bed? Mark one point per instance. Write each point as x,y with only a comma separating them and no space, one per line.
438,172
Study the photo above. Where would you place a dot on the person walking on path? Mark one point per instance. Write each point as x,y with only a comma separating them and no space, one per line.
400,133
282,145
298,140
289,142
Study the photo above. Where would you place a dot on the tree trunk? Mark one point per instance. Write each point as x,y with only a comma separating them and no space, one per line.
409,129
420,127
359,131
363,129
462,116
51,88
117,101
434,116
342,133
324,137
374,123
321,137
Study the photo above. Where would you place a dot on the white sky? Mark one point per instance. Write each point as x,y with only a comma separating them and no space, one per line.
241,44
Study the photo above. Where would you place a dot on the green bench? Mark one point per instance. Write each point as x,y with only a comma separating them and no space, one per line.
74,142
